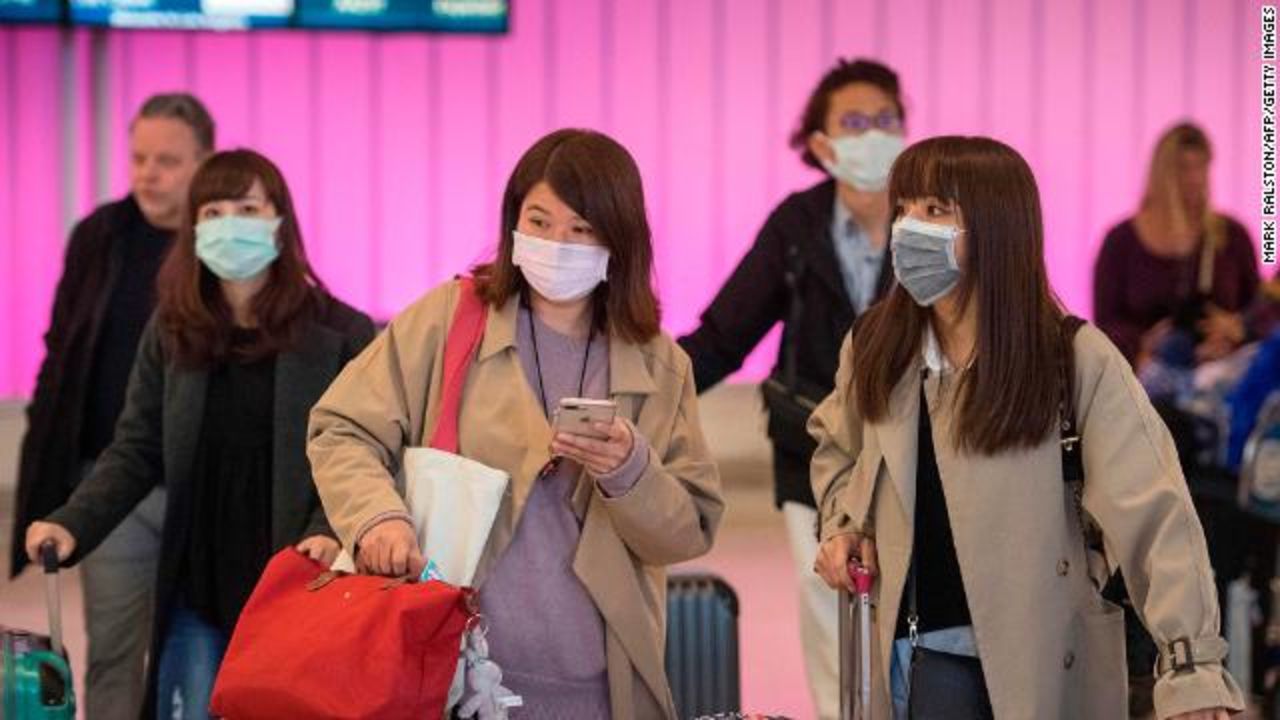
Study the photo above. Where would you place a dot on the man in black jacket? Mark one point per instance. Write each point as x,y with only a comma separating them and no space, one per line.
818,262
104,298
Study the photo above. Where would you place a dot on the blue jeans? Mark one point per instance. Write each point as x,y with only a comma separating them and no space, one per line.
193,650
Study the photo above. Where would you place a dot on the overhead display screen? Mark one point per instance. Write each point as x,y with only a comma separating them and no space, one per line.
439,16
30,11
473,16
183,14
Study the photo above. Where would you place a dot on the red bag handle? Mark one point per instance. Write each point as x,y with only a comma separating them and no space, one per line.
460,348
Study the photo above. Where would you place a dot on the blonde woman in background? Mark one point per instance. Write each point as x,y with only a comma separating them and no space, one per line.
1178,267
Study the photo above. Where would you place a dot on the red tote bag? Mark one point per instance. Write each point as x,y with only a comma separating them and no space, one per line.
315,644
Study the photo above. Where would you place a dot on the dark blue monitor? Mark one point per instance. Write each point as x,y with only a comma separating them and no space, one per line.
36,11
461,16
183,14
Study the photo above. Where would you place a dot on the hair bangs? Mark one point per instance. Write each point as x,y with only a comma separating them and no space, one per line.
924,170
566,175
224,180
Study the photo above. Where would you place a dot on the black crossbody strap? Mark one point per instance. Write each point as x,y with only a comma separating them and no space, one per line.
1073,445
1072,456
793,276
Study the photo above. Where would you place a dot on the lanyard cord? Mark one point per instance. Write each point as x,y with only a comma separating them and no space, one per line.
537,360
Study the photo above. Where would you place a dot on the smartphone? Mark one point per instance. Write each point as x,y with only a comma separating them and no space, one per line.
580,415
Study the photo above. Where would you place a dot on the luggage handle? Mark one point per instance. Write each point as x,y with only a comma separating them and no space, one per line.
848,686
49,556
855,690
49,559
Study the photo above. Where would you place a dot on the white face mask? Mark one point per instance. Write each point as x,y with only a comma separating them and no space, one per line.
560,272
863,161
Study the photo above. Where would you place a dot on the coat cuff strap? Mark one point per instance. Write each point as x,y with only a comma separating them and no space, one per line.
1183,654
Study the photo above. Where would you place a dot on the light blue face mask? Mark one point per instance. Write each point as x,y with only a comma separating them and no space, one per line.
234,247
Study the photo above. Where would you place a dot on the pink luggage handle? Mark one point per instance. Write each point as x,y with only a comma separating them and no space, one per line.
862,579
861,576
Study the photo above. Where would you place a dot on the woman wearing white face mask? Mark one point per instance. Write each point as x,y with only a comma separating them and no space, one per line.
818,263
996,462
245,339
572,578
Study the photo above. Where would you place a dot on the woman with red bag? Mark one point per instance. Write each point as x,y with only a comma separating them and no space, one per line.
244,341
572,580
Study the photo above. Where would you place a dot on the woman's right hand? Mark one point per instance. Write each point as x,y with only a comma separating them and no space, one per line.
39,532
832,563
390,548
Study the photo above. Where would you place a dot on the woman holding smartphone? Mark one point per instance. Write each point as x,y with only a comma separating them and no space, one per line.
571,581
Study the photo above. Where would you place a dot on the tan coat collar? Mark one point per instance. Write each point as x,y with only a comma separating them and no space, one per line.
628,374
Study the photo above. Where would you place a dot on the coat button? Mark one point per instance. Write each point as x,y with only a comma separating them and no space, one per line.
1069,660
1063,567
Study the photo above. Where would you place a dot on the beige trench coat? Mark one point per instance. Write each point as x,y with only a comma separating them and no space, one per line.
385,401
1051,647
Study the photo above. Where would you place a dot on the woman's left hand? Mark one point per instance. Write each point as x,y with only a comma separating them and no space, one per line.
321,548
1211,714
599,457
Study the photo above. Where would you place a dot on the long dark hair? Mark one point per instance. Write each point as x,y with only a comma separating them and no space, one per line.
195,319
1009,398
596,177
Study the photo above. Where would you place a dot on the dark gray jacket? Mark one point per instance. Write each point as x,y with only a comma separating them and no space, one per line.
158,433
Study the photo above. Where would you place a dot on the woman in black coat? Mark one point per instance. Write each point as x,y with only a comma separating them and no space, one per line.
816,265
245,339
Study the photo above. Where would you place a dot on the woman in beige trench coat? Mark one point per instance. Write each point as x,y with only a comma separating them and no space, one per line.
939,449
572,580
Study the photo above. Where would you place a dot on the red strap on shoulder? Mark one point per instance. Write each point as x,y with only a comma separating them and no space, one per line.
465,333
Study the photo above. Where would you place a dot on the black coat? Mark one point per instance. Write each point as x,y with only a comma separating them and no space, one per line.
756,296
51,454
157,437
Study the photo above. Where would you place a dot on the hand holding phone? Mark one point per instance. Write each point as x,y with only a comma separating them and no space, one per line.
591,433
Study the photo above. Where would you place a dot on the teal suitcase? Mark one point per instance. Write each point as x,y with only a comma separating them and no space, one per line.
35,677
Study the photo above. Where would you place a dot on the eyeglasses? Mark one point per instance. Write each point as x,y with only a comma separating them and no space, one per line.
857,122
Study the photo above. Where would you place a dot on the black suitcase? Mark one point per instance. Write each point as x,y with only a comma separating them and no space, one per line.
702,645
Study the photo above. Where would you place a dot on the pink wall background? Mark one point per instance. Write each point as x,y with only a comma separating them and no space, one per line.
397,146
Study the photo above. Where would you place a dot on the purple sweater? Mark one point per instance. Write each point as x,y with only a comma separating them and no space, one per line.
545,631
1134,289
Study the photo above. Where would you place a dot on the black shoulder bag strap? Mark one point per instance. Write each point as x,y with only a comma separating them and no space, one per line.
792,276
789,409
1072,457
